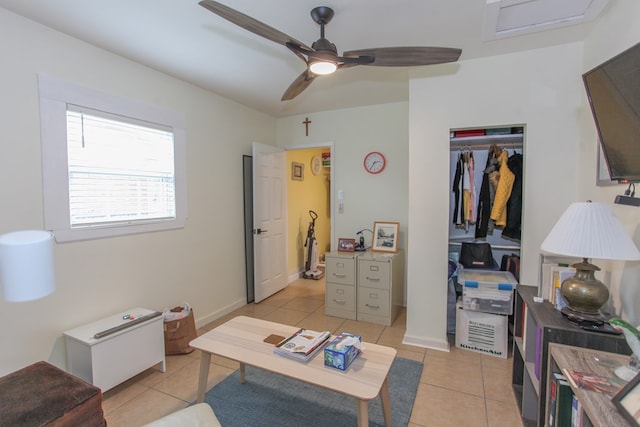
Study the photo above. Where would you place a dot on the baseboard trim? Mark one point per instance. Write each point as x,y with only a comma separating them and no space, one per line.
204,320
295,275
430,343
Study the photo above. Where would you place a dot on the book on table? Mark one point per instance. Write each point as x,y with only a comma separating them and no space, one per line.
302,345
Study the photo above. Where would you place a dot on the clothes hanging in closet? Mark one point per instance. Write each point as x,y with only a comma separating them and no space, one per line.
503,191
464,191
484,225
457,179
513,229
499,201
470,189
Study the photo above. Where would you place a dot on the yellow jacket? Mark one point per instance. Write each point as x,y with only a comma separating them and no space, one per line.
503,191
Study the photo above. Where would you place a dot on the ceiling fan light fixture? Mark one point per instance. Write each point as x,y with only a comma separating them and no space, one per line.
322,57
323,67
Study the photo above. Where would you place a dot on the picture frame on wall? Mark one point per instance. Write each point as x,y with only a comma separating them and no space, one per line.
297,171
346,245
385,236
627,401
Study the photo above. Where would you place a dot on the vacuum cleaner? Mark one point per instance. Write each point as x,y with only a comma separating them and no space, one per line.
311,270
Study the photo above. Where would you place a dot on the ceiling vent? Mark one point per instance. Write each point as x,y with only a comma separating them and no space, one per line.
509,18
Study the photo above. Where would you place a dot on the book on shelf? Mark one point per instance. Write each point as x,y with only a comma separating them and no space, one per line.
302,345
524,327
560,401
592,382
551,277
558,275
576,412
538,360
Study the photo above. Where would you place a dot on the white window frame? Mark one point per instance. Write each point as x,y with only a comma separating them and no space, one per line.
55,94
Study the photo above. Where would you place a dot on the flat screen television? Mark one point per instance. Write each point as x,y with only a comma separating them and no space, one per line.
613,90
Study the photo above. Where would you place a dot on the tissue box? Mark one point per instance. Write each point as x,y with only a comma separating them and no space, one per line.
342,358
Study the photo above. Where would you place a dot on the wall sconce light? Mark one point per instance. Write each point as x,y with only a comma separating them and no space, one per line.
27,265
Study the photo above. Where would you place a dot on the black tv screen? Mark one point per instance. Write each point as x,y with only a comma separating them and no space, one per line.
613,89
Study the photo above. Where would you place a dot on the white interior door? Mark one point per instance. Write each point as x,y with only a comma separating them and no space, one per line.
269,220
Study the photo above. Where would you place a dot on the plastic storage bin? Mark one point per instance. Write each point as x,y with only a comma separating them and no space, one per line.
487,290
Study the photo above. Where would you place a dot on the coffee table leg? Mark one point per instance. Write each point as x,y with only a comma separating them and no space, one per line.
205,360
386,403
242,378
363,413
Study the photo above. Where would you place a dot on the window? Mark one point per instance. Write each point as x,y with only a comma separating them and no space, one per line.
111,166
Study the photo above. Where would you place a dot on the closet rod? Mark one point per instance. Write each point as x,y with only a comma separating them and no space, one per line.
472,147
496,247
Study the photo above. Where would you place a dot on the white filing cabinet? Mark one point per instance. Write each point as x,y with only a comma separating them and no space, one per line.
380,284
108,361
340,293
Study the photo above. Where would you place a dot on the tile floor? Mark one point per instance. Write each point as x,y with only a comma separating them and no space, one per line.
459,388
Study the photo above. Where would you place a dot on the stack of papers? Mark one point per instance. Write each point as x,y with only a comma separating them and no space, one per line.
302,345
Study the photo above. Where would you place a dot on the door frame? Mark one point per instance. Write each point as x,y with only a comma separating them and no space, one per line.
332,186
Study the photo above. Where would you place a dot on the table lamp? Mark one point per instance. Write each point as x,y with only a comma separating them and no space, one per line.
588,230
26,265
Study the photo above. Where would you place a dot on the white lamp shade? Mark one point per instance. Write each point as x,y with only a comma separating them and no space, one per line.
26,265
590,230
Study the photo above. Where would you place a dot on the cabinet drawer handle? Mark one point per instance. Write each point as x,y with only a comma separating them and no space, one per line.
339,275
339,301
373,279
375,307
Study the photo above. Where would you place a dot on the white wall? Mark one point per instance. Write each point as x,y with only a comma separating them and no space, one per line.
540,89
355,132
202,264
616,31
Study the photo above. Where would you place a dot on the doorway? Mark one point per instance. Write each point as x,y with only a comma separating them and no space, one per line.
298,220
308,189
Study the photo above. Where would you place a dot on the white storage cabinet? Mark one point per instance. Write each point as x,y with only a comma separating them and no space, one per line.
110,360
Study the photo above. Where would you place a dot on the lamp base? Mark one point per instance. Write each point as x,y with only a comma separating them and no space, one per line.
583,292
579,317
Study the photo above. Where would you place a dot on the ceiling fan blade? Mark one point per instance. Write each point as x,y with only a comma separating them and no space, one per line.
406,56
251,24
299,84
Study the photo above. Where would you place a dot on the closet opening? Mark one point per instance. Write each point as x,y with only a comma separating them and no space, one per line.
486,180
485,206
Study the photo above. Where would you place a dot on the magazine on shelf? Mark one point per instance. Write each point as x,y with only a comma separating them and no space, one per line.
594,382
303,344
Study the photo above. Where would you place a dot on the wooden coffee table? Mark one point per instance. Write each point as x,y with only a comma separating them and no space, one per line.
241,339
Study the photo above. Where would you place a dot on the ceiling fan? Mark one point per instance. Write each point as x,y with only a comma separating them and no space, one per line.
322,57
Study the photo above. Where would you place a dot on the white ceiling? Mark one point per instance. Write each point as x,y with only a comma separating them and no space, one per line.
183,39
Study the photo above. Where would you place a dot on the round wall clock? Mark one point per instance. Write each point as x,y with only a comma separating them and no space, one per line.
374,162
316,164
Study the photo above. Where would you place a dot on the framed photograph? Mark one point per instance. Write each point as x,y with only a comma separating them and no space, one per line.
628,401
346,245
385,236
297,171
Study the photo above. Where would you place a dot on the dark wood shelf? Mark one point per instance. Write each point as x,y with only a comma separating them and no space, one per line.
555,328
596,406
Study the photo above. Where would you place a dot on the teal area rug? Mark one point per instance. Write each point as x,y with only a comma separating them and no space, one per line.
268,399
